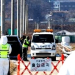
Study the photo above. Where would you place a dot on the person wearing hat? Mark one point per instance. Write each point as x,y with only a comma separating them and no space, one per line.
25,48
5,50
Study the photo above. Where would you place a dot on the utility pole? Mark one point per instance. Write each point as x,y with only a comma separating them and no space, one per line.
27,18
18,18
37,26
24,16
49,24
2,16
49,19
12,17
59,6
21,18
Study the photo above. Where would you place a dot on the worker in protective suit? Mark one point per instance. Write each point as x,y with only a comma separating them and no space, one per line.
25,48
5,50
68,67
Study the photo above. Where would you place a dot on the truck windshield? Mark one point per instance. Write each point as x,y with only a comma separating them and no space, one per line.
43,38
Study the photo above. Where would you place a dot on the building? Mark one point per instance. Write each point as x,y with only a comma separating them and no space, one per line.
60,8
59,16
62,5
60,34
66,6
65,32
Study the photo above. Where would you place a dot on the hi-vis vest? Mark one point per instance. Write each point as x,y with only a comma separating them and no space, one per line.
25,45
4,50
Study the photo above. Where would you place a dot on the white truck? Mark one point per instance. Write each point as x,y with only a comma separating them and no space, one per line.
43,44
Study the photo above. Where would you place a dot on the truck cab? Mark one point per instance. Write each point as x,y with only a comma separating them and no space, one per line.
43,44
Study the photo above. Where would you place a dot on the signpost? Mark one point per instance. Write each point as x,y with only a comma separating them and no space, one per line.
40,64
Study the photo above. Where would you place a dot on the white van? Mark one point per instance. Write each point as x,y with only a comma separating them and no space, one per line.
43,44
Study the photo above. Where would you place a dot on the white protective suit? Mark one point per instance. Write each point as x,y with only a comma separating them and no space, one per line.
68,68
4,62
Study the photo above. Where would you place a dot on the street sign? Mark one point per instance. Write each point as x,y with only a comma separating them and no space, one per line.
40,64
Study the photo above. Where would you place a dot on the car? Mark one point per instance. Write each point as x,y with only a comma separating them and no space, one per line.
16,45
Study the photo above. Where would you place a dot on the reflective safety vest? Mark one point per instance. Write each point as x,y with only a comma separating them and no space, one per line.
4,50
25,43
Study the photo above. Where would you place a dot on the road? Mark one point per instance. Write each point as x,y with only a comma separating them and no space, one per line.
39,73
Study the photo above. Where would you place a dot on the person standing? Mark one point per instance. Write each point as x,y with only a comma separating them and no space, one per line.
5,50
22,38
25,48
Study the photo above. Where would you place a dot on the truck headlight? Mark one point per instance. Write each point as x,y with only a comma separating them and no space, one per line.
32,47
53,48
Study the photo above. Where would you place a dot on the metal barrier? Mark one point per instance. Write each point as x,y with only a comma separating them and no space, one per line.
26,66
